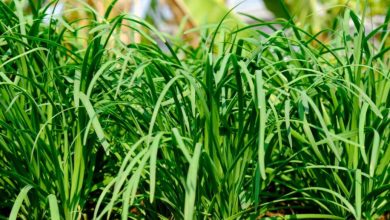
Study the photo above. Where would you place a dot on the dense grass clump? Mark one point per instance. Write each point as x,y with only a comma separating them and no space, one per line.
248,124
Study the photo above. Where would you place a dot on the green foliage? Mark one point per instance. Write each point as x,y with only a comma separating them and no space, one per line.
316,15
234,128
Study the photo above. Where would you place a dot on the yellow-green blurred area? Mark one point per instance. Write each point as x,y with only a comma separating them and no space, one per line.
321,14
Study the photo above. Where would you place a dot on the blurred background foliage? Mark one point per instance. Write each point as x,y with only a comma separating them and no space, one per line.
320,14
178,16
185,22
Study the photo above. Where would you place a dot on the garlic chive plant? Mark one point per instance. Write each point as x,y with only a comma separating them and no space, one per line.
263,124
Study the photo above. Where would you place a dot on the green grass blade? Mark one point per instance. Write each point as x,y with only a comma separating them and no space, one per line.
54,211
19,201
261,106
94,120
362,121
358,193
189,206
153,164
374,153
